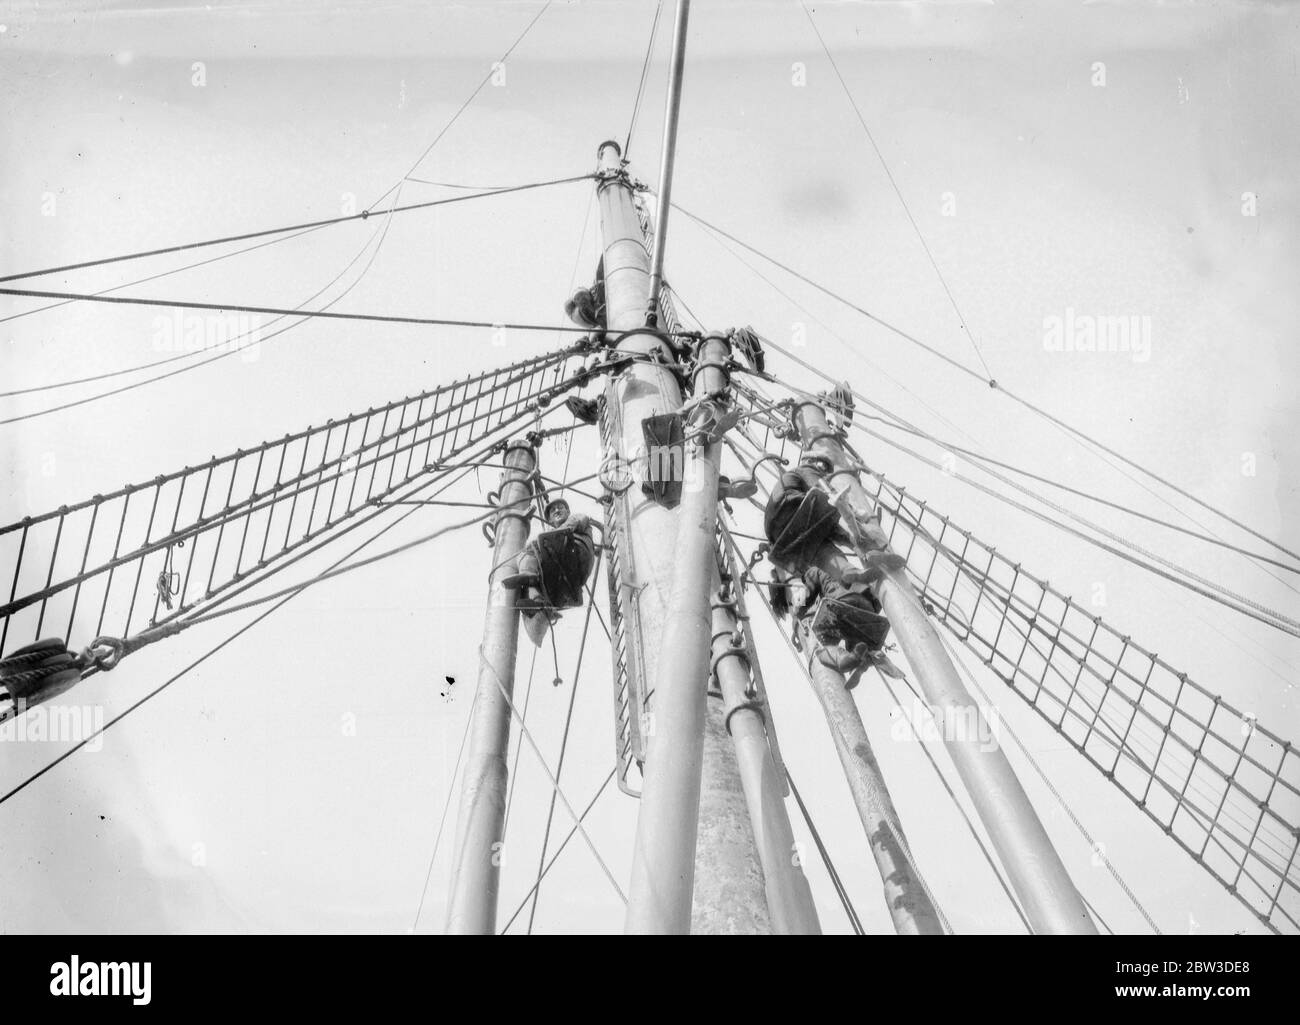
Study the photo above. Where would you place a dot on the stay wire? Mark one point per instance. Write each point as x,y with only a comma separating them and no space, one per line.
555,785
281,311
263,615
962,368
916,228
179,675
442,821
564,746
840,891
1074,819
640,89
500,62
379,233
246,236
558,851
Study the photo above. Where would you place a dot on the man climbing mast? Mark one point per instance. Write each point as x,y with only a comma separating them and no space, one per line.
552,569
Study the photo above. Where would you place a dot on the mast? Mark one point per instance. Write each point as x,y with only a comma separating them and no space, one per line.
476,868
909,906
789,899
1048,895
668,158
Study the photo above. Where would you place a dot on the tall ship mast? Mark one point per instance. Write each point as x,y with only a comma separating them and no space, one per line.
733,537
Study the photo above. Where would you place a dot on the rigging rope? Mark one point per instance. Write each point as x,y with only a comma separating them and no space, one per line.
519,747
377,318
380,234
916,228
442,820
640,88
952,796
1248,768
901,425
479,88
142,281
988,381
840,890
1213,591
197,662
365,214
558,851
555,785
1038,769
564,746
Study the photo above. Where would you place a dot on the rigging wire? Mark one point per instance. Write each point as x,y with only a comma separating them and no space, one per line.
916,228
235,308
905,425
558,851
564,746
232,350
141,281
519,746
1051,787
1061,424
840,890
478,89
442,820
193,665
1213,591
212,651
527,734
364,215
640,88
1261,614
901,425
952,795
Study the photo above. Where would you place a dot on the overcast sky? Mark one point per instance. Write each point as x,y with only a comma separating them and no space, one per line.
1117,199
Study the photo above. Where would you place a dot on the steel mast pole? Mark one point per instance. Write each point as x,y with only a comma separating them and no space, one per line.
476,870
669,157
1039,878
910,907
790,904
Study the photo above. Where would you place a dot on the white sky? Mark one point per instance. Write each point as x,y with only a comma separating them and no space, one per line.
1117,200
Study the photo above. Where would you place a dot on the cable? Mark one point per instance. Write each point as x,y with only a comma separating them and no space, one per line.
519,747
274,231
564,746
952,795
442,821
479,88
840,890
235,308
640,88
558,851
141,281
1207,538
897,191
380,233
991,383
212,651
1255,610
523,729
1033,762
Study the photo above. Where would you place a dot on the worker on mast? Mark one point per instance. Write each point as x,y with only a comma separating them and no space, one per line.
847,624
800,516
552,569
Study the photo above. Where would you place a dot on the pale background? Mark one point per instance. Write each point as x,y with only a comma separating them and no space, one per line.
1125,199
